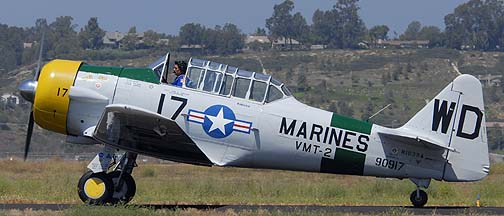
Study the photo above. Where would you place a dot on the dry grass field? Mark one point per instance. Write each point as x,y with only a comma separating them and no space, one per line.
55,181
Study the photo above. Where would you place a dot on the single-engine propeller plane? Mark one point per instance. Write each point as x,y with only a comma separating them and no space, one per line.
226,116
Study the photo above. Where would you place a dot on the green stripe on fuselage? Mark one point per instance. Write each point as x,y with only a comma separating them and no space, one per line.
141,74
114,71
347,123
344,162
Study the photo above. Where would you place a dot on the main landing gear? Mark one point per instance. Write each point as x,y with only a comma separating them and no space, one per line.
419,197
101,186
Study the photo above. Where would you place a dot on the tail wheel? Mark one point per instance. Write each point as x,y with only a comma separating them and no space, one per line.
126,192
95,188
420,199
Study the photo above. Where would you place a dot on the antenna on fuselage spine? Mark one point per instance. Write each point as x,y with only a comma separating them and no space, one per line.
379,111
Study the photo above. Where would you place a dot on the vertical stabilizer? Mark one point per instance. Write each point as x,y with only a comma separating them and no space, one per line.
455,119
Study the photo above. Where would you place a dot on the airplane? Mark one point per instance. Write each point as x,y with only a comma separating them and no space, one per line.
226,116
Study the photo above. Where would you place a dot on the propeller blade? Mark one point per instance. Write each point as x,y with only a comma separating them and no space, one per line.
37,72
28,136
29,92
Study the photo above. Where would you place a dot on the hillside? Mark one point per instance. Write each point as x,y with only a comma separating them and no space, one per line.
354,83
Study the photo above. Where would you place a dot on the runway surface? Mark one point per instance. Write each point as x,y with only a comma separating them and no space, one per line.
290,208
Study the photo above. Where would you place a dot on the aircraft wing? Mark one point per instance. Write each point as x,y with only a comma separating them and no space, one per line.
403,136
142,131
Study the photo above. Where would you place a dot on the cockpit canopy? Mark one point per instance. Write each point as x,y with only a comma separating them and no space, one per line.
221,79
225,80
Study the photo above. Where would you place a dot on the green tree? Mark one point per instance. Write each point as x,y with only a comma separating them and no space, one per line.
129,42
223,40
454,32
412,31
63,27
299,28
232,39
34,35
151,38
433,34
260,32
280,22
325,27
283,24
340,27
211,39
63,39
191,34
353,28
91,36
477,24
11,47
378,32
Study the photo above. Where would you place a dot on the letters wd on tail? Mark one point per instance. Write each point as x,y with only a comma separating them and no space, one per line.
455,120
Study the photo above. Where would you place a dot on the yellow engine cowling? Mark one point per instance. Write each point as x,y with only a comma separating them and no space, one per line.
50,107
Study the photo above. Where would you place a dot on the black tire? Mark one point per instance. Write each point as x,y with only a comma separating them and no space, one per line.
128,190
95,188
419,202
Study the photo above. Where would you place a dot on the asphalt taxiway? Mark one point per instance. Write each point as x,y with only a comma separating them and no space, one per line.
430,210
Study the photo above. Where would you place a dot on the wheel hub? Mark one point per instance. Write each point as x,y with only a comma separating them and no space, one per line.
94,188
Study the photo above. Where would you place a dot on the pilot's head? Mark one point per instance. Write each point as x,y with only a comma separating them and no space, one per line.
179,68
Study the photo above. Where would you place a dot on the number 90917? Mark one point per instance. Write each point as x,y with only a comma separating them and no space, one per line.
387,163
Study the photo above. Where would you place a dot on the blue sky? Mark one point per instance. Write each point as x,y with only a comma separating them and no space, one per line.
167,16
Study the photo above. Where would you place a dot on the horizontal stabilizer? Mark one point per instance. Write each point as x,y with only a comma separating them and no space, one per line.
412,139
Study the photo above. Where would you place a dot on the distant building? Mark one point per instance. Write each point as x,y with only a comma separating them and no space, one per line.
27,45
260,39
490,80
282,44
256,43
318,47
9,98
113,39
163,41
402,44
193,49
363,45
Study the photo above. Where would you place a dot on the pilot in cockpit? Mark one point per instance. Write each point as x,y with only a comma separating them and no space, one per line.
179,69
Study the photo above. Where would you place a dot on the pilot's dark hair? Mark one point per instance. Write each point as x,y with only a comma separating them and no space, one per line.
182,66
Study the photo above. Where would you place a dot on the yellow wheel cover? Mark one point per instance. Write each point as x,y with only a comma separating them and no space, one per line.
94,188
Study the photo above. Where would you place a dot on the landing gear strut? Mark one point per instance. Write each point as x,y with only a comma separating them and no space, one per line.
101,186
419,197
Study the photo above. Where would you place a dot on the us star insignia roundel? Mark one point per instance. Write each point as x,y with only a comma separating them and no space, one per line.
219,121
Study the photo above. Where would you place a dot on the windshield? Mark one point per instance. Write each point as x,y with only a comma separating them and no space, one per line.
157,63
157,67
